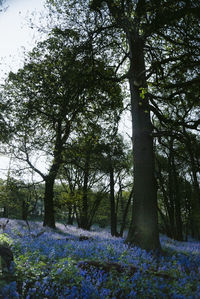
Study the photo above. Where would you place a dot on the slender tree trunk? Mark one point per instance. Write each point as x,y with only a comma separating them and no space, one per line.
179,224
25,211
77,214
143,231
84,210
124,217
94,209
196,188
171,190
113,220
177,205
166,219
70,215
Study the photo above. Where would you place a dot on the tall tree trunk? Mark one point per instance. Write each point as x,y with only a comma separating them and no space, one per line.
84,210
94,208
196,188
49,218
179,224
167,218
124,217
5,212
177,204
25,211
70,218
143,231
171,190
113,220
61,138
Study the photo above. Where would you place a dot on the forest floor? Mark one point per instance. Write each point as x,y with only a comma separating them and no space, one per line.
72,263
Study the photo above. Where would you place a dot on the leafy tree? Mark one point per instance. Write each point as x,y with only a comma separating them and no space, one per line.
150,38
148,27
17,198
114,162
50,96
84,154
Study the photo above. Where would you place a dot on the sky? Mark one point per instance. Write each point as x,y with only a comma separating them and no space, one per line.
17,36
15,31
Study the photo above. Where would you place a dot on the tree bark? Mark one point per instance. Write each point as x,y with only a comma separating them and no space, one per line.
61,138
70,219
113,220
177,204
171,187
123,224
49,217
196,188
25,211
84,209
143,231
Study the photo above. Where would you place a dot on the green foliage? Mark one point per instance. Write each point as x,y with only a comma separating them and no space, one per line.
5,239
17,198
64,270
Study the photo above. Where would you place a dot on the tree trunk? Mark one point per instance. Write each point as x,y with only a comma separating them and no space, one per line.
25,211
84,210
143,231
94,209
177,204
196,188
179,224
123,224
167,220
113,220
49,218
70,218
5,212
171,190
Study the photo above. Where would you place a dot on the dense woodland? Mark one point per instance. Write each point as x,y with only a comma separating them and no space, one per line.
100,60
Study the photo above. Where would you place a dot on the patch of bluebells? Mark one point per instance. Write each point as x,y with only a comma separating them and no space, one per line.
47,266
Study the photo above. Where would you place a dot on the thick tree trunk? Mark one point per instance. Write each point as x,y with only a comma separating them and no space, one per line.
49,218
143,231
5,212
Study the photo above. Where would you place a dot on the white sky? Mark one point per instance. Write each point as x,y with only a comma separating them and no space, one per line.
17,36
15,32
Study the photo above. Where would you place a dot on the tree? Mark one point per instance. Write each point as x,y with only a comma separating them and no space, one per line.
148,27
18,199
50,96
114,162
83,165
